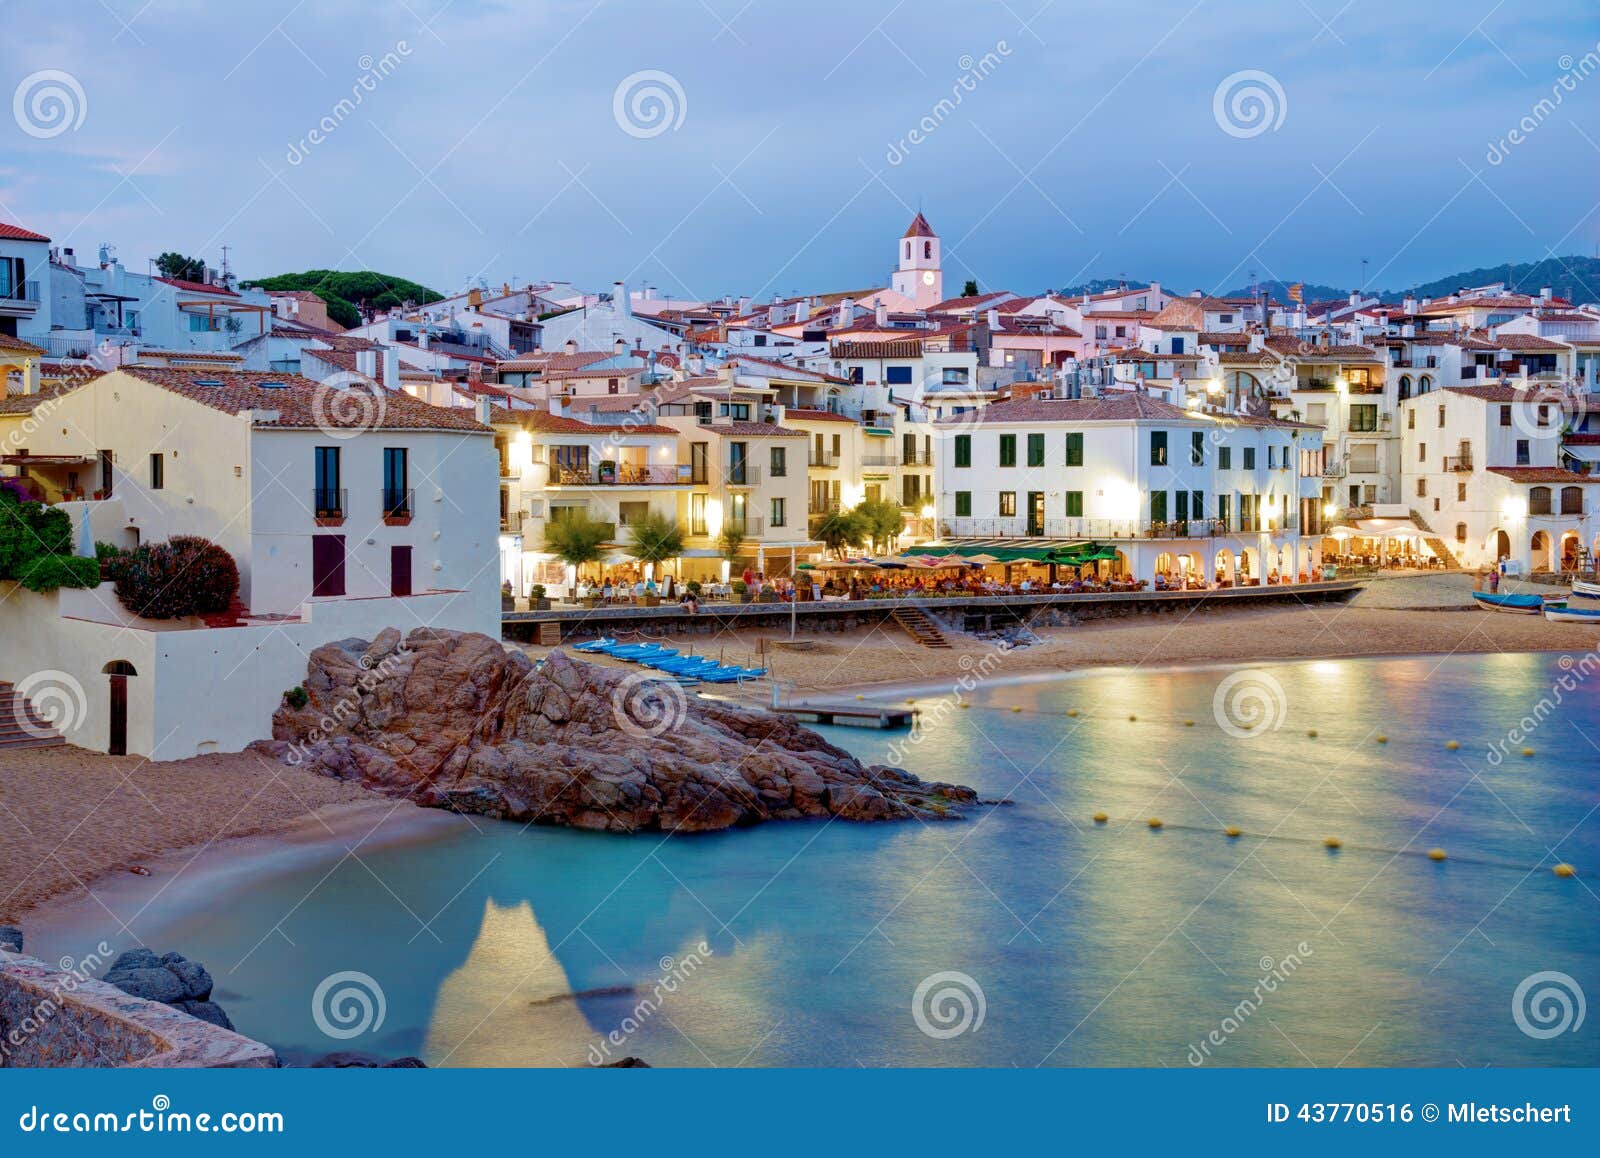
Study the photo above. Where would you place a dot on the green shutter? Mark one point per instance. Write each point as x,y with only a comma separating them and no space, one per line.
963,450
1075,449
963,504
1008,450
1035,450
1074,504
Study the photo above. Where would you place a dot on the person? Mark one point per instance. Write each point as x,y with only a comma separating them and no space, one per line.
749,578
1494,581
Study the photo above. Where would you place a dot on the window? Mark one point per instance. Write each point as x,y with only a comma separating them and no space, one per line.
777,512
1180,506
1411,419
611,385
780,464
1363,458
1158,506
1272,457
963,450
1461,532
697,463
1197,504
396,495
1364,417
1249,457
1008,450
1505,416
1224,507
1008,504
1539,501
158,471
1461,492
1197,448
1523,457
327,502
1100,333
1422,452
1572,500
1158,448
963,504
108,473
1317,413
897,375
1035,450
1075,450
1224,458
1441,417
697,514
1422,488
1177,345
1074,504
739,463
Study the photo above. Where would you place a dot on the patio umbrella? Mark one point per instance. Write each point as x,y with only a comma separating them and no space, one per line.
982,561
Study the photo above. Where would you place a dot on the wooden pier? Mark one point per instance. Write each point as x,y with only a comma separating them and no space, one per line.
849,716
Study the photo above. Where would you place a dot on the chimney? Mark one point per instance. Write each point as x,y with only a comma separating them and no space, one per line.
558,404
367,363
391,367
744,306
30,377
993,318
474,298
802,310
424,339
475,372
1545,294
572,345
1409,305
619,347
482,408
880,314
620,303
1355,297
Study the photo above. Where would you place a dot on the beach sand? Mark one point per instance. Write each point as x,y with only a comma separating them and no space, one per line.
68,817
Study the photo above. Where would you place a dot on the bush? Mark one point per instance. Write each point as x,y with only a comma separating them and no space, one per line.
739,587
297,697
49,572
111,560
694,586
184,576
30,530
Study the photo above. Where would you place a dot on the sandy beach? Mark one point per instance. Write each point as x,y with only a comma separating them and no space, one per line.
69,818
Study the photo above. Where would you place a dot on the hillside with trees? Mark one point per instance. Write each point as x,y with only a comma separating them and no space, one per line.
349,292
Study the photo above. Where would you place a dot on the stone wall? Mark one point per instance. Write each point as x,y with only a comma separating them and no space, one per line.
51,1017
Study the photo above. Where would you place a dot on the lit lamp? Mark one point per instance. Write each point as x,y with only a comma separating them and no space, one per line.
1514,508
1214,386
1330,509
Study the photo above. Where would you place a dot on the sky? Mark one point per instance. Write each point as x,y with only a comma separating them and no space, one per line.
776,149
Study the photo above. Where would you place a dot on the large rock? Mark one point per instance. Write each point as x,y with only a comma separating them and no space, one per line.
171,979
454,720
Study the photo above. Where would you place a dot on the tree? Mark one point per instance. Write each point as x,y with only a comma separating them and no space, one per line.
181,268
970,290
729,541
576,538
840,531
881,522
654,538
30,532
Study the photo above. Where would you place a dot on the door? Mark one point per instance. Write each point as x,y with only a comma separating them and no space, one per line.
1035,513
399,570
327,564
118,745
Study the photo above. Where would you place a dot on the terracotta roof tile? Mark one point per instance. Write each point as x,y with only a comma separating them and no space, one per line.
1542,474
1124,408
17,233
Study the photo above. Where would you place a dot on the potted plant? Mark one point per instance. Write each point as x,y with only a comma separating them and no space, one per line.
508,602
741,590
538,600
608,472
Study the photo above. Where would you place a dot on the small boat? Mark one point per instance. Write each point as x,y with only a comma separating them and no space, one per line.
1514,604
1592,590
1566,613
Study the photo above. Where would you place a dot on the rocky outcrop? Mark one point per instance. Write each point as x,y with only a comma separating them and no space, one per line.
454,720
171,979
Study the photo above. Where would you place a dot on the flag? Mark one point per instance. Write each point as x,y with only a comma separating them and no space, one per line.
1297,292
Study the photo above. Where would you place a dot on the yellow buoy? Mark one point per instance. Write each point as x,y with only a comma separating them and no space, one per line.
965,706
1131,719
1332,842
1436,854
1016,709
861,697
1452,745
1312,732
1100,818
1564,870
1231,831
1072,711
1527,751
1154,822
1188,723
910,700
1382,739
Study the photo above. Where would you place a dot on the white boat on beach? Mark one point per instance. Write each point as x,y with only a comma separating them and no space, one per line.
1566,613
1591,590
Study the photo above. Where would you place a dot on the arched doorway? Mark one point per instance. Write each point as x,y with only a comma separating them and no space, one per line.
1499,547
119,670
1225,568
1539,551
1570,544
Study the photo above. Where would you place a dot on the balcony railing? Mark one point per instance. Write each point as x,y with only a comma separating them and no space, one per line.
1459,462
24,294
742,474
822,460
1020,528
749,526
328,503
621,475
397,505
880,460
917,458
1333,470
511,523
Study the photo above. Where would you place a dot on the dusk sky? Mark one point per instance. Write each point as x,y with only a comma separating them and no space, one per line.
1086,143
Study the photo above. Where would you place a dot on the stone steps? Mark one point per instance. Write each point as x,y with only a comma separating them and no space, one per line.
21,726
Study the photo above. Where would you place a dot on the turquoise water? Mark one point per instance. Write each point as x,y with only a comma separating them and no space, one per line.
1092,944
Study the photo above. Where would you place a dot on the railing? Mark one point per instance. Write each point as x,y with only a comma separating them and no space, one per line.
742,474
880,460
397,503
1333,470
1019,527
328,503
748,526
821,460
830,507
917,458
511,523
24,294
622,475
1458,462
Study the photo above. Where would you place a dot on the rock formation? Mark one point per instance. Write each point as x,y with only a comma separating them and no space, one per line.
454,720
171,979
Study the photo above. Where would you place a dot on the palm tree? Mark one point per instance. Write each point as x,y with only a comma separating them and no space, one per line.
576,539
655,538
881,522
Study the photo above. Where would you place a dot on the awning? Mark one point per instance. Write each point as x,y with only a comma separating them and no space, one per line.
999,553
47,459
1389,529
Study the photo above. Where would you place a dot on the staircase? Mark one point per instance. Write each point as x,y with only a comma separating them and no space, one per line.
919,626
1435,543
21,726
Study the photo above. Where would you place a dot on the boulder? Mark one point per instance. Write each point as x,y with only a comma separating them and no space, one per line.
205,1011
171,979
454,720
11,938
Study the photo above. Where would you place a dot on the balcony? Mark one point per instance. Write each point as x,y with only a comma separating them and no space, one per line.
398,507
749,526
329,506
1333,470
621,474
821,460
880,460
917,458
20,299
511,523
742,474
1460,463
1020,528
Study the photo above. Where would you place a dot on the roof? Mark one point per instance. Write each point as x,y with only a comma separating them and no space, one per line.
1505,341
754,430
973,301
17,233
909,347
543,422
1124,408
24,403
800,414
1542,474
301,403
9,343
1292,347
919,227
297,295
1506,392
196,287
557,361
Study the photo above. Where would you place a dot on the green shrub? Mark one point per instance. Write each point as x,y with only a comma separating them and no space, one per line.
30,530
111,559
297,697
49,572
181,577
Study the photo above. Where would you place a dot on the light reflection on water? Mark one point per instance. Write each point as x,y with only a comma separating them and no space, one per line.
1093,945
